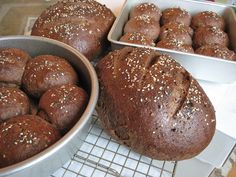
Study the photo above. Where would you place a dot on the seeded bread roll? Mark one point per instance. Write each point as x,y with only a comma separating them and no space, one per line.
143,24
137,38
175,44
24,136
63,105
176,31
13,102
46,71
12,66
175,26
83,24
152,104
218,51
210,36
207,18
176,15
149,9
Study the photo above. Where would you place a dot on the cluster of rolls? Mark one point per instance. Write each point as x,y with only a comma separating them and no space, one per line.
39,102
202,34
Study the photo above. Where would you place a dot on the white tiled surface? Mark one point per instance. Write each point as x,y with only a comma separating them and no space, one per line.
101,156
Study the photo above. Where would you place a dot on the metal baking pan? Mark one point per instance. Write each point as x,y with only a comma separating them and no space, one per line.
52,158
201,67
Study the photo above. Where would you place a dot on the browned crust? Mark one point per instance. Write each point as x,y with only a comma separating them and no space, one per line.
150,103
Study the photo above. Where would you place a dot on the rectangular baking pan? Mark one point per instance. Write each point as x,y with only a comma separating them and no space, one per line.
201,67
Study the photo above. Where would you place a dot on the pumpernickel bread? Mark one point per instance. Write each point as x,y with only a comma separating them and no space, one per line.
152,104
83,24
13,102
12,66
63,105
24,136
149,9
46,71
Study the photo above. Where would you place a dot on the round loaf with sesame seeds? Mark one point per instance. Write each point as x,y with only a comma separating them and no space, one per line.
207,18
13,102
12,66
150,103
62,106
218,51
149,9
175,44
83,24
22,137
176,31
143,24
210,36
46,71
137,38
176,15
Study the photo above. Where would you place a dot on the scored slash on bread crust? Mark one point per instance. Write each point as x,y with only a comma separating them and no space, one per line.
152,104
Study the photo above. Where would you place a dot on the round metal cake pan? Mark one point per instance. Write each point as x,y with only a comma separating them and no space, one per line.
52,158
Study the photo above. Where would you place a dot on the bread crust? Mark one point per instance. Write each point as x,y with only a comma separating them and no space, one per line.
24,136
153,105
63,105
82,24
46,71
12,66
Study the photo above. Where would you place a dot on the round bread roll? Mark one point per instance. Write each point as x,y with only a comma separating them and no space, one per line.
13,102
63,105
143,24
46,71
24,136
137,38
176,15
218,51
175,44
207,18
176,31
210,36
149,9
12,66
152,104
83,24
175,27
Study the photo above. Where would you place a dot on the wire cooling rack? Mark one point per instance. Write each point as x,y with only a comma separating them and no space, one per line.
102,156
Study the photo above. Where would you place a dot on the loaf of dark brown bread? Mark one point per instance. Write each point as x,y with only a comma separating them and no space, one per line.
12,66
152,104
207,18
149,9
83,24
63,105
175,44
143,24
24,136
137,38
13,102
176,15
46,71
218,51
210,36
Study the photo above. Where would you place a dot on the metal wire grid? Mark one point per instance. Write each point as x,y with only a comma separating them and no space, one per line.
100,156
